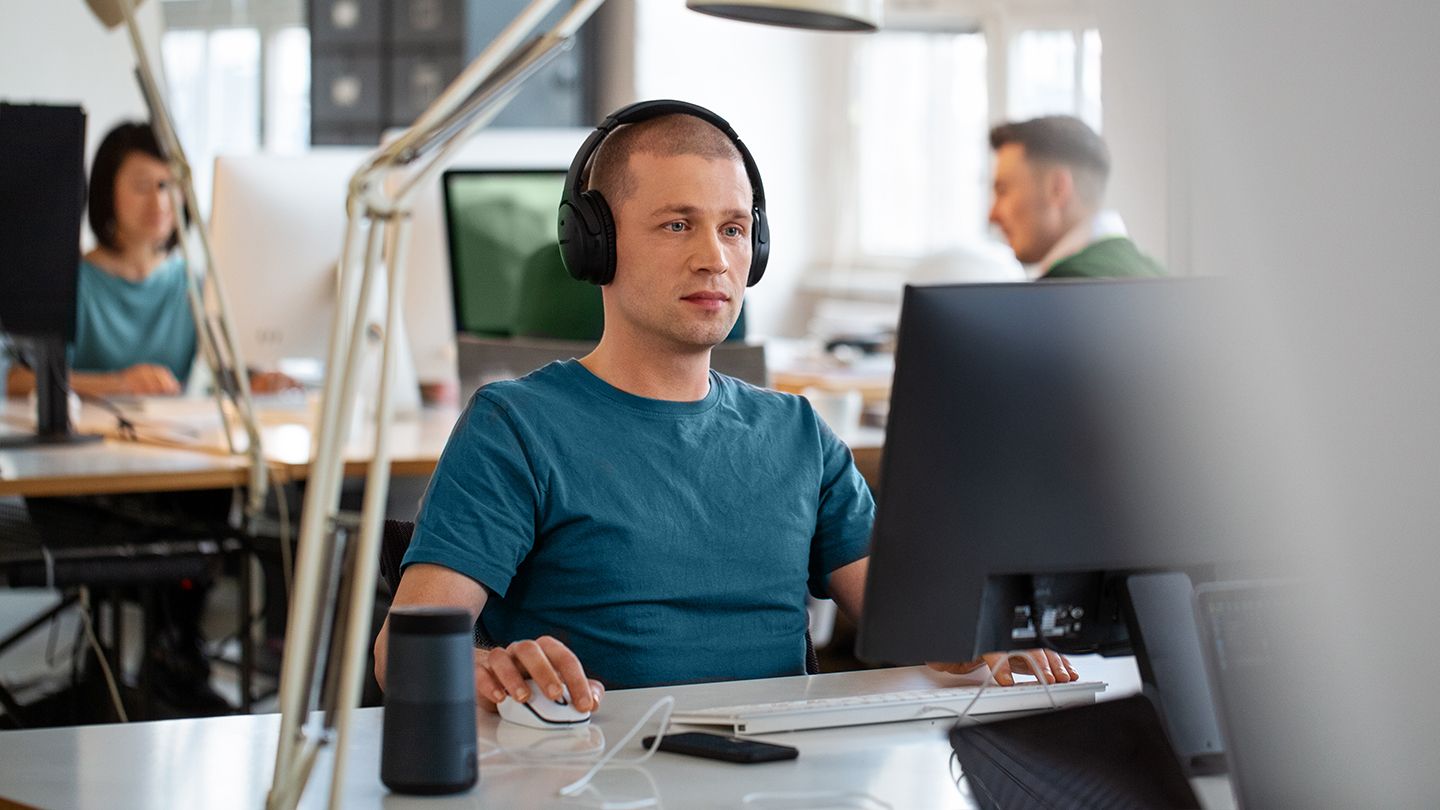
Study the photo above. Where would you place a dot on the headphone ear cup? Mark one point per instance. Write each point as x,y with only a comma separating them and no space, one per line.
587,238
759,245
604,255
573,237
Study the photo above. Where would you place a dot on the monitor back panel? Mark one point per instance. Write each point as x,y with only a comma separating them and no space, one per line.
1051,428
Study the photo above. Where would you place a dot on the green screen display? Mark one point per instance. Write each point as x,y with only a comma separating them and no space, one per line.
497,220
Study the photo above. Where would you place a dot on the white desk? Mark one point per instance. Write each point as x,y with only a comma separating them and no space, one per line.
227,762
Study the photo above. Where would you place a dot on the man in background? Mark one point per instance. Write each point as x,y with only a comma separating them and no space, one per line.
1050,176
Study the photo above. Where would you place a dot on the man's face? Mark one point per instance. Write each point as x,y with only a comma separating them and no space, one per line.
1028,204
682,251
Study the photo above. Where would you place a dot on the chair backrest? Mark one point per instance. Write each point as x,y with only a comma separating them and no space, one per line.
395,538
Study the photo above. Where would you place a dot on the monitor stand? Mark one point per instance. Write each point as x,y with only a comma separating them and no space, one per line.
52,378
1160,613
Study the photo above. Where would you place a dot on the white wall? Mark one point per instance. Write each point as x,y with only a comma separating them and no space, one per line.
765,81
1135,89
56,52
1299,149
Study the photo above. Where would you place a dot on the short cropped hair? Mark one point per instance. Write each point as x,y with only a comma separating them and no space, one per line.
1062,139
121,142
667,136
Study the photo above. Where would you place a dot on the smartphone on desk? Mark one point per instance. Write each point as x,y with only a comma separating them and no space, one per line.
729,749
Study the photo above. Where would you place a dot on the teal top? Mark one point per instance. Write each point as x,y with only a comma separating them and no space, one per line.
1113,257
664,542
119,323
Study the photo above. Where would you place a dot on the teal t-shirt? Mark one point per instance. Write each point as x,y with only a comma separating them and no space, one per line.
119,323
664,542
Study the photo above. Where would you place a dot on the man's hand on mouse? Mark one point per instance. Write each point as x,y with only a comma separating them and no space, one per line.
1053,667
501,672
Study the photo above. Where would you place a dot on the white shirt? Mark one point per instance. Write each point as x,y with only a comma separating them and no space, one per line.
1106,224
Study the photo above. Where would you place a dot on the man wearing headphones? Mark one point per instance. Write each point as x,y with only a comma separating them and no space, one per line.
633,509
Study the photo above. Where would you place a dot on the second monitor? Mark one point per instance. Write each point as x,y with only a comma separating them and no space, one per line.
497,220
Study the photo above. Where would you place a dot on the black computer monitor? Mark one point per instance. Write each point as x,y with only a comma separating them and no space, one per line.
1045,443
42,196
496,220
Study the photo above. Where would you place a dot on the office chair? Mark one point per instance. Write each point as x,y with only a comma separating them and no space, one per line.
395,538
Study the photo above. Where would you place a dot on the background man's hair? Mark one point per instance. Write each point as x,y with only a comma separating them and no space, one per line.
667,136
1061,139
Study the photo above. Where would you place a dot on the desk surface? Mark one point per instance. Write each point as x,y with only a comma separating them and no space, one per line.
227,762
182,448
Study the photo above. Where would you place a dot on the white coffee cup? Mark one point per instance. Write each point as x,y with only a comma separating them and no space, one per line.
840,409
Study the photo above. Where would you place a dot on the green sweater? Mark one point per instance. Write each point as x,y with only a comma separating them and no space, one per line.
1116,257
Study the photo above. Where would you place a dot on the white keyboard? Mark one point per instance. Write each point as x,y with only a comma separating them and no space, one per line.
887,707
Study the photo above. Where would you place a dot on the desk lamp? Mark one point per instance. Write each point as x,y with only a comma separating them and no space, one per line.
330,608
215,339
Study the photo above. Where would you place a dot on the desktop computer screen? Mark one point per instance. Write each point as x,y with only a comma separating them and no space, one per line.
1045,443
497,218
277,224
42,198
42,195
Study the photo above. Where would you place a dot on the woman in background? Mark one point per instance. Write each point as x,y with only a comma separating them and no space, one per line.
134,333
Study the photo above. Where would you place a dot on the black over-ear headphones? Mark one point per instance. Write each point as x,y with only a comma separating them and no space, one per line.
587,226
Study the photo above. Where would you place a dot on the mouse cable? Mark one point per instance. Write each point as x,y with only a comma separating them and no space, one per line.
667,704
957,773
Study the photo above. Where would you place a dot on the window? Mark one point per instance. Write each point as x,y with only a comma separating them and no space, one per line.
1055,72
237,79
287,91
923,107
921,111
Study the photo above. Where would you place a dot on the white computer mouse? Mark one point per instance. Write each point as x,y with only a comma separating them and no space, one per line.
541,712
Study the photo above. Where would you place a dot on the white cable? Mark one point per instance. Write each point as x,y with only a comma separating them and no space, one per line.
838,799
653,800
481,756
535,752
282,505
666,703
1029,656
989,680
100,654
49,567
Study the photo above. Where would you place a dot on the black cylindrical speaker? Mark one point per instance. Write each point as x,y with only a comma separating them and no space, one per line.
428,745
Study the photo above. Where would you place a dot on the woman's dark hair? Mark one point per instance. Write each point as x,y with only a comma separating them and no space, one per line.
119,144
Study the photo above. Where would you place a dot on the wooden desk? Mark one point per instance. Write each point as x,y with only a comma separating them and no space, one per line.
227,762
190,454
416,442
866,445
114,466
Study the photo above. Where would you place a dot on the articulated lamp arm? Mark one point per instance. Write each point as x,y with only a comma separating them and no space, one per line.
214,338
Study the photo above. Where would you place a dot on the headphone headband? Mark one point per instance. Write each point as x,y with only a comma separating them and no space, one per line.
586,223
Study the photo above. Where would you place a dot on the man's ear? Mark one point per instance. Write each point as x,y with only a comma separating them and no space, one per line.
1059,186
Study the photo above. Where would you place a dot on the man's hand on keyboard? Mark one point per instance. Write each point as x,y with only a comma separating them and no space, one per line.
1054,667
502,671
